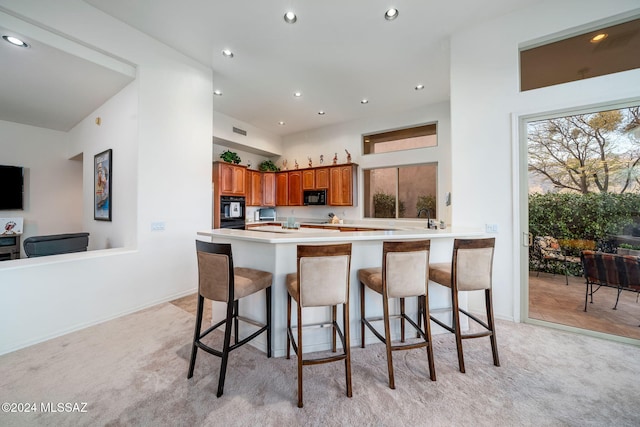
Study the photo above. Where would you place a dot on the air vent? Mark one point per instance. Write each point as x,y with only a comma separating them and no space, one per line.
240,131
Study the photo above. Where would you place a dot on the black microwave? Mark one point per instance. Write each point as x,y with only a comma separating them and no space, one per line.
315,197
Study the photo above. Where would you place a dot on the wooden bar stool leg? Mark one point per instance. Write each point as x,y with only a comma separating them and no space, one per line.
288,326
362,315
491,324
456,326
401,319
225,349
334,315
236,308
196,336
299,354
347,349
268,296
387,336
424,303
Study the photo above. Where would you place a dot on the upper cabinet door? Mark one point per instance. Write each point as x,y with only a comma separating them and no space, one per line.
254,188
230,178
282,188
308,179
322,178
341,185
269,189
295,188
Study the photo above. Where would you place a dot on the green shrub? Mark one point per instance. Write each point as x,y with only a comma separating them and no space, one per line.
384,206
428,203
592,216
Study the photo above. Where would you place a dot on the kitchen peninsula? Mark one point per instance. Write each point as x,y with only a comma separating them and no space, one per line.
276,252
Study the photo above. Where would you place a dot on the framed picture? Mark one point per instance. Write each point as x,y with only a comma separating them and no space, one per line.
102,186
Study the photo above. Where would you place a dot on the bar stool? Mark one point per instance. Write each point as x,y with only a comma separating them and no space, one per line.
219,280
470,270
404,273
321,279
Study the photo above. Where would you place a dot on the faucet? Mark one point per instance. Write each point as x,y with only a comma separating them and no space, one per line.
428,216
428,211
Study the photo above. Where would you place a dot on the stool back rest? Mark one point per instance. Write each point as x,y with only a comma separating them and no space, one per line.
215,271
406,268
473,263
323,274
611,269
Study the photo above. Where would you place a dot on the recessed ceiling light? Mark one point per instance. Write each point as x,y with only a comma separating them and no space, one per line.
419,87
364,101
599,37
321,113
391,14
297,94
290,17
227,53
217,92
15,41
281,123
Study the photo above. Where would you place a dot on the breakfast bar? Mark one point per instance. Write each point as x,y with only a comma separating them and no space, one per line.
274,249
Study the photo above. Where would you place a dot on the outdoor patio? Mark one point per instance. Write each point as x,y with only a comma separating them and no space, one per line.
551,300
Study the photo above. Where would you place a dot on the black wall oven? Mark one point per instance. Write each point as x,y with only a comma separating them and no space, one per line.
232,212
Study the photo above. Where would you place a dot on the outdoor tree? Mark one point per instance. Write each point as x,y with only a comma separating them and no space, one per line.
587,153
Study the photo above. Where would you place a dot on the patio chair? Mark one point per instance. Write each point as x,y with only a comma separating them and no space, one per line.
547,250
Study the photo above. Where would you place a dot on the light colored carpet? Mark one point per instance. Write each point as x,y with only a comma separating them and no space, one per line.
132,371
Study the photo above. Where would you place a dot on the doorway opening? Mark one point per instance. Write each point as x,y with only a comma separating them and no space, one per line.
583,193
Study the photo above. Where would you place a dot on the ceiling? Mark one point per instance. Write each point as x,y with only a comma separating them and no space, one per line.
337,53
50,84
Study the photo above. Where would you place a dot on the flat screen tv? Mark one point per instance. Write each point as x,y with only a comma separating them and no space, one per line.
11,188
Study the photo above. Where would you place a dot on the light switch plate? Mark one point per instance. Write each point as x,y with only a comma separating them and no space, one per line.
157,226
491,228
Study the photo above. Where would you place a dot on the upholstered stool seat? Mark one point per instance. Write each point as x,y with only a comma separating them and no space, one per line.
321,280
404,273
220,281
470,270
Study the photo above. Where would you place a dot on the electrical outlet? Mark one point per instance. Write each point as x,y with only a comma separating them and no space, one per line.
491,228
157,226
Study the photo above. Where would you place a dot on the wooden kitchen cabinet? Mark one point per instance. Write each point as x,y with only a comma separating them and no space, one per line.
341,185
229,178
309,179
315,179
268,189
295,188
321,178
254,188
282,188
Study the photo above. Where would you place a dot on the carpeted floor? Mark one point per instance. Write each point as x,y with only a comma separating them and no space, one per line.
132,371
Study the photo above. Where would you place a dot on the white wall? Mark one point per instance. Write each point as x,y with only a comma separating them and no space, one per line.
43,298
335,139
52,182
485,95
256,138
118,131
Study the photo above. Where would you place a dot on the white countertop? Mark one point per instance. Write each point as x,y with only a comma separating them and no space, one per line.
307,235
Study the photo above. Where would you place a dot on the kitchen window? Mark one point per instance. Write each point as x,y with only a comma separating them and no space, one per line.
401,192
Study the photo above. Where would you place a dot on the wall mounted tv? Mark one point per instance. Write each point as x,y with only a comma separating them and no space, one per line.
11,188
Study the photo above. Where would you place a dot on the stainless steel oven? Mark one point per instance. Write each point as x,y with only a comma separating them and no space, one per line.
232,212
